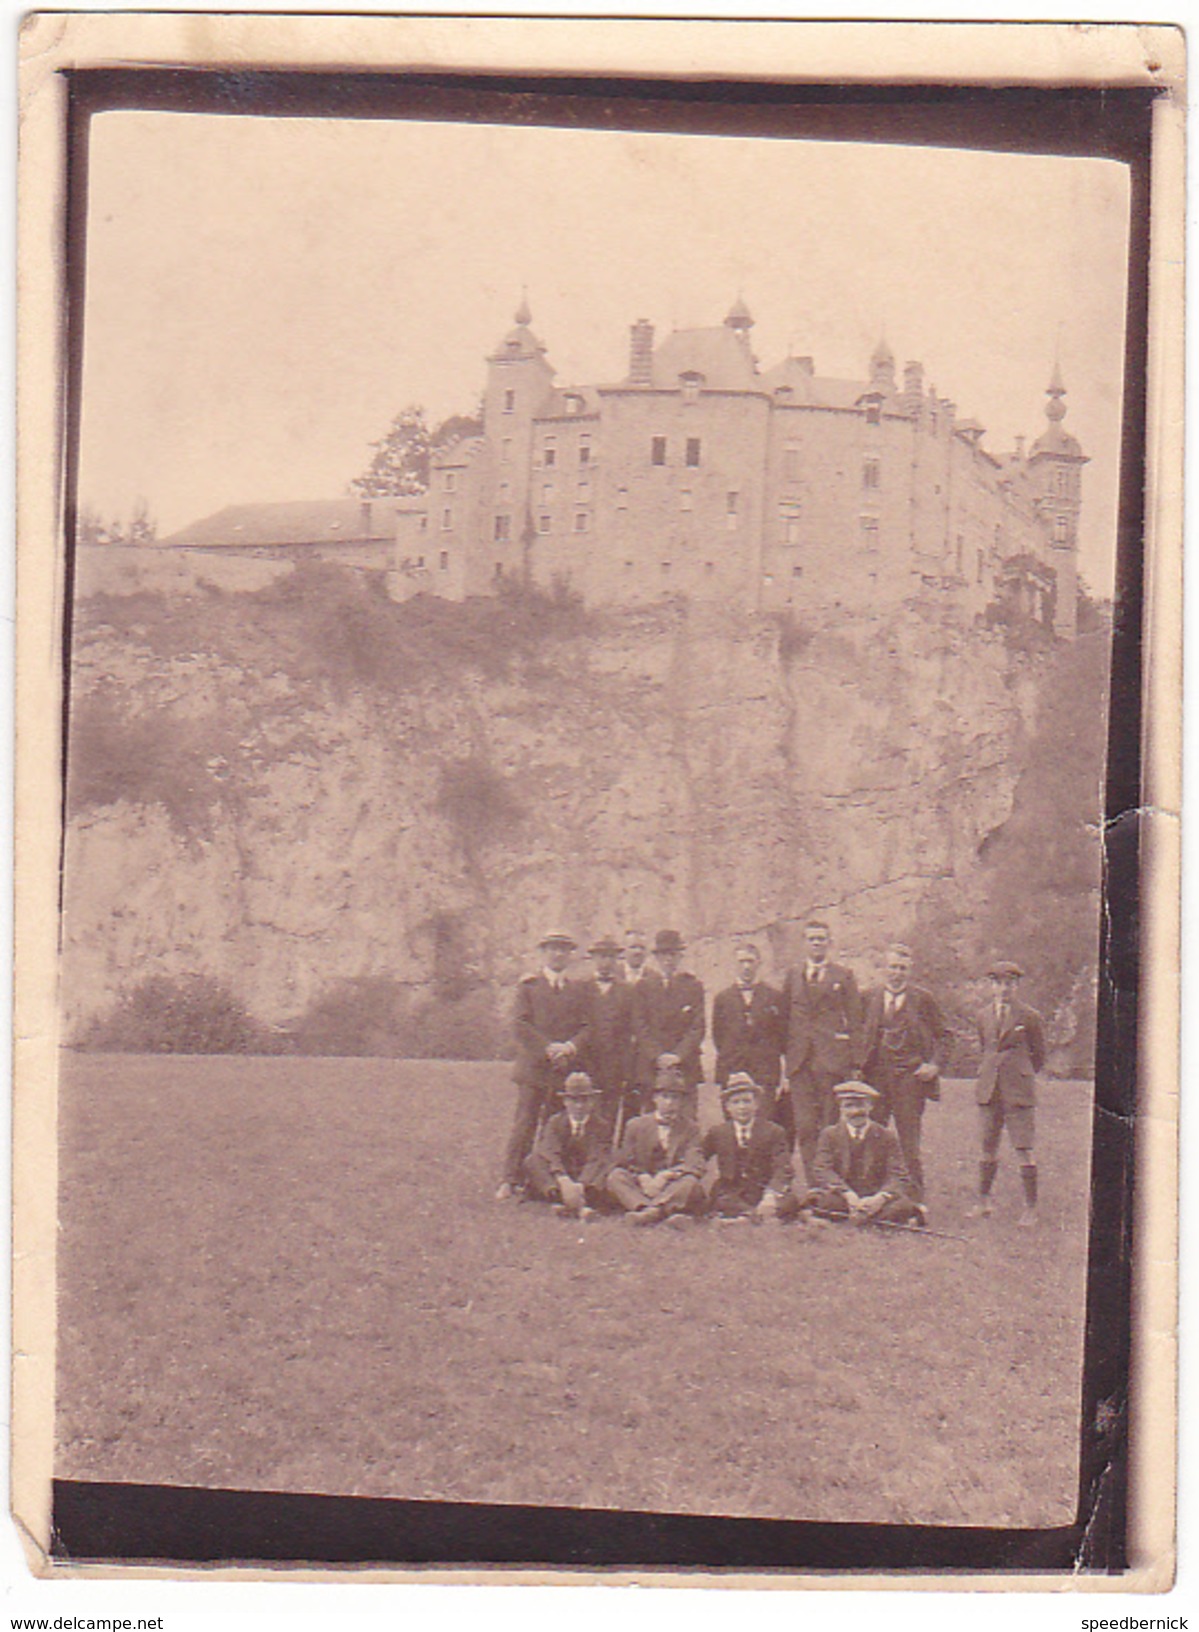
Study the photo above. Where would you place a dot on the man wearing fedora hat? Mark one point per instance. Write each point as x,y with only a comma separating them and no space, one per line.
609,1054
859,1173
570,1161
673,1012
1012,1038
753,1160
551,1032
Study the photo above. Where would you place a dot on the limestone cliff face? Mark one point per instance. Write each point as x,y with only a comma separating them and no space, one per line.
236,812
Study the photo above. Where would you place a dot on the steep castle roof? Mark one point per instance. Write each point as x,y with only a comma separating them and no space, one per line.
312,521
723,361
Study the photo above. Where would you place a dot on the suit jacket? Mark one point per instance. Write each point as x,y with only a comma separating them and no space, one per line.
641,1152
609,1052
913,1037
824,1022
749,1036
765,1163
586,1158
545,1015
640,991
671,1018
1010,1062
874,1164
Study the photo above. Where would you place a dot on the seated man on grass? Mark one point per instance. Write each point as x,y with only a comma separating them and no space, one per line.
859,1168
754,1180
569,1164
660,1163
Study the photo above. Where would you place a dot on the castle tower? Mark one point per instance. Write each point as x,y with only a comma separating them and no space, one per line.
882,368
740,321
1055,473
518,380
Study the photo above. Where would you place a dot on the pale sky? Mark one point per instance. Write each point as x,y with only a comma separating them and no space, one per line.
263,295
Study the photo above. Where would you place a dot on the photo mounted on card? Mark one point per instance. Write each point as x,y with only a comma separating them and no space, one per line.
592,980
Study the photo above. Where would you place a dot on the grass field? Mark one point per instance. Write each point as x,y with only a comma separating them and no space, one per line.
289,1274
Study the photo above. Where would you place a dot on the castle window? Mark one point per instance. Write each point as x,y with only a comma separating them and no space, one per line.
447,520
506,451
499,570
509,401
690,383
584,450
870,471
622,498
505,489
869,531
549,454
666,569
1061,529
574,405
547,492
443,561
657,450
791,462
449,481
791,530
692,450
874,413
580,521
583,496
628,566
709,568
503,527
420,563
543,524
797,572
685,499
732,501
424,525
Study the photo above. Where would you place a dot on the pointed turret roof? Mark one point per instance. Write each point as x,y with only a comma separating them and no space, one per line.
1055,440
739,315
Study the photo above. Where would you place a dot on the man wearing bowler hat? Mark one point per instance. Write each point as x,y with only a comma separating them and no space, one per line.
570,1162
609,1056
753,1160
674,1011
859,1172
657,1171
551,1033
1012,1037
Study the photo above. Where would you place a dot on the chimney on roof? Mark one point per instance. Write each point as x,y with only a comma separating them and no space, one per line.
807,366
913,387
641,352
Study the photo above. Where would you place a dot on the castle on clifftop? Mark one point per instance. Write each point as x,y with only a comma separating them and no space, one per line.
704,475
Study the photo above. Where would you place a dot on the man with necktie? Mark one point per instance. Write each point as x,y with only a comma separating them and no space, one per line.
551,1032
640,977
858,1169
748,1031
570,1162
824,1037
904,1034
1012,1038
673,1012
609,1029
753,1160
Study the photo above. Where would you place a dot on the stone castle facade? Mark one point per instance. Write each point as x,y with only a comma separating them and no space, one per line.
703,474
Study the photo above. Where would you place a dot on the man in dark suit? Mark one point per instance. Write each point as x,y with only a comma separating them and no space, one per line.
904,1034
673,1012
551,1032
1012,1037
824,1038
859,1172
753,1160
641,977
658,1169
749,1031
573,1154
609,1030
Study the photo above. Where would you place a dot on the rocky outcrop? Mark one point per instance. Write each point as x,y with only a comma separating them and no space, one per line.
390,805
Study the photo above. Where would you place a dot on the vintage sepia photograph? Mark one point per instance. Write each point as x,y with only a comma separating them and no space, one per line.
588,661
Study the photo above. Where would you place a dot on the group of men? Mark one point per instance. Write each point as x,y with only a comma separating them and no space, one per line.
608,1071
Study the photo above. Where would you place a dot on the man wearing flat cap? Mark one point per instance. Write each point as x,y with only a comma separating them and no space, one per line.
1012,1038
551,1033
609,1054
859,1171
673,1012
573,1154
753,1160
